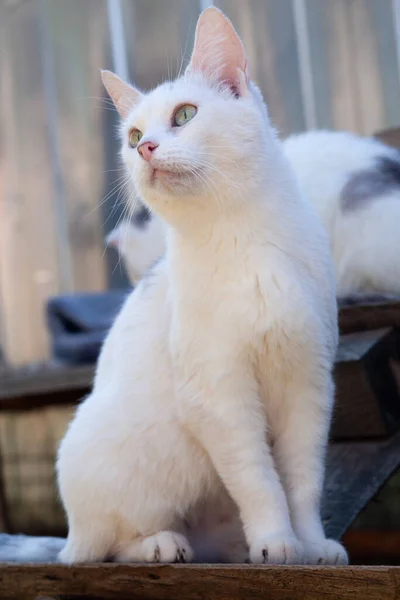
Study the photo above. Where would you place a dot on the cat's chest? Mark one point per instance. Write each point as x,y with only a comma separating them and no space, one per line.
237,297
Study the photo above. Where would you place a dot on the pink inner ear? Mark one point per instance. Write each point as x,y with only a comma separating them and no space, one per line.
218,51
124,96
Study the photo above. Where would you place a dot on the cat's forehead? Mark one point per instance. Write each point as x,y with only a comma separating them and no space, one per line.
163,99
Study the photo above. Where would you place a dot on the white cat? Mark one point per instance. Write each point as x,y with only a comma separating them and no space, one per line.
354,184
140,242
216,376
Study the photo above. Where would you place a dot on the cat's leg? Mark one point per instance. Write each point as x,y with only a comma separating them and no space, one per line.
97,544
299,448
88,542
230,424
162,547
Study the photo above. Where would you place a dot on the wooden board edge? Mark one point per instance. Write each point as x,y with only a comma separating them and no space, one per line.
191,582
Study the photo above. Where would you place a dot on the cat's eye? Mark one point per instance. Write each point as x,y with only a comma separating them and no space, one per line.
184,114
134,137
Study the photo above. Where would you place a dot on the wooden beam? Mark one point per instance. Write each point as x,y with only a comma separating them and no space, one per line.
367,376
42,380
355,471
195,582
391,136
367,315
371,547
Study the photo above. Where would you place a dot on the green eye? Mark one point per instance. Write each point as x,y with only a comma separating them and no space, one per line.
134,137
184,114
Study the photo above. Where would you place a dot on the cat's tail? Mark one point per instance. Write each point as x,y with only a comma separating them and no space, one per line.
25,548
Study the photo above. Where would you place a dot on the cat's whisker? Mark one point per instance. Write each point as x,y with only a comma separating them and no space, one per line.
120,170
104,101
183,54
125,204
119,201
109,194
109,108
212,167
125,213
120,219
204,179
168,65
120,182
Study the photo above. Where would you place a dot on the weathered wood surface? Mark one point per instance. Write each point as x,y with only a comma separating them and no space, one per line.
367,376
198,582
355,471
365,315
391,136
373,546
42,379
29,440
45,384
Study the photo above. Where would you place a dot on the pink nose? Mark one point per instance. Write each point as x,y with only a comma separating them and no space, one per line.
146,149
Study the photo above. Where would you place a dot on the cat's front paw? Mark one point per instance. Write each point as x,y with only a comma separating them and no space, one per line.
277,550
325,552
168,547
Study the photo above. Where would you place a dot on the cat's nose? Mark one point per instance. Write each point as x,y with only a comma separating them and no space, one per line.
146,149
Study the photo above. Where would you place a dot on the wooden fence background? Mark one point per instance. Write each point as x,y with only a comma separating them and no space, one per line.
320,63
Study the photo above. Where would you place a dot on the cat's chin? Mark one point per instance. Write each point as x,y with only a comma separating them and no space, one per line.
171,180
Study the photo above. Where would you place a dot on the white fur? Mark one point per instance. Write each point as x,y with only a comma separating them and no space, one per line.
216,376
145,245
364,242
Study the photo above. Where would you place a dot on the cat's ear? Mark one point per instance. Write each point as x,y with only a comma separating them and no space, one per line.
218,51
124,96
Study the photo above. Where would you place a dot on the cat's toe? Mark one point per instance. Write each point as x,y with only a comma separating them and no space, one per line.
325,552
168,547
277,550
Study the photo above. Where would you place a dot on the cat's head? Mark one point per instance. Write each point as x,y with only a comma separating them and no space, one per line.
197,137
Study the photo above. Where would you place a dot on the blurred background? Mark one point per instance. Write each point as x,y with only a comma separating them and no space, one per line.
320,64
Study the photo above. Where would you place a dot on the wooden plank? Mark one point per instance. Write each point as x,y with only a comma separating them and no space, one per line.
43,379
28,445
371,547
196,582
367,376
391,136
366,315
355,471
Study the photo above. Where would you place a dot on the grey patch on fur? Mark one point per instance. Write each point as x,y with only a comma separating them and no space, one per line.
141,217
369,184
25,548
